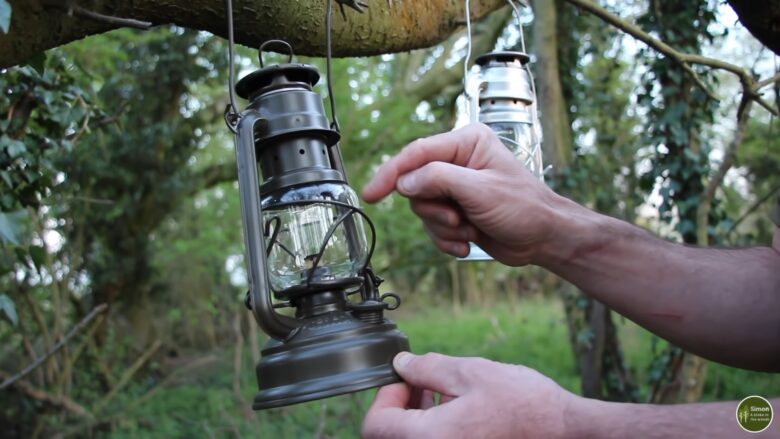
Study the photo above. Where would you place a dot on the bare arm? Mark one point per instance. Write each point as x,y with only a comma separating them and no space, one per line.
466,186
723,304
592,418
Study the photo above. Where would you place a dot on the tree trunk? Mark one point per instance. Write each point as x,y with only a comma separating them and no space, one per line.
557,143
592,334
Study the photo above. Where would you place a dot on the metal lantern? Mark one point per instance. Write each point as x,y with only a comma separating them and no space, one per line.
503,97
309,247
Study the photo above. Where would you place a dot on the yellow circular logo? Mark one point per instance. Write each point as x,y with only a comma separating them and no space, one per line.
754,414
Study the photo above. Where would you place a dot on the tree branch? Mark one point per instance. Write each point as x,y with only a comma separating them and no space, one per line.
89,317
750,85
40,395
381,29
211,176
769,195
128,375
705,204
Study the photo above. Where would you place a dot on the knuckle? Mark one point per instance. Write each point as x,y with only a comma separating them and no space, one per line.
429,360
436,170
413,146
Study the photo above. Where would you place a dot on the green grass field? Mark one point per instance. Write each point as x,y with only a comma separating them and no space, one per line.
201,403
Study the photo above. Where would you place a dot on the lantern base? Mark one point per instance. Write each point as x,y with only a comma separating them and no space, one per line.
331,354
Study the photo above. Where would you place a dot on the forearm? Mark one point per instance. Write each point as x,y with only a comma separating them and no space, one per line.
587,418
721,304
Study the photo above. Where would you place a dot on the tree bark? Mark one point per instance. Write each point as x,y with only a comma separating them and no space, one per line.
762,19
557,142
38,25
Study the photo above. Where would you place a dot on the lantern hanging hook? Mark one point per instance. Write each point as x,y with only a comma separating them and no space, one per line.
284,44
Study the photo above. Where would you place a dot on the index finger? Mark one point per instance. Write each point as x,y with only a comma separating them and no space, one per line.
453,147
388,416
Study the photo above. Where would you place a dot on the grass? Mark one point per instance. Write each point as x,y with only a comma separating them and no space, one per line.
532,332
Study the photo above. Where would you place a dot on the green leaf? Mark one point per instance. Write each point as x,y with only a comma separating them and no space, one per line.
10,226
5,16
13,147
8,307
38,62
6,177
38,255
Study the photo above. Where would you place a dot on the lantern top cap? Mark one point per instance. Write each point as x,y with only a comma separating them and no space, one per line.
503,57
277,76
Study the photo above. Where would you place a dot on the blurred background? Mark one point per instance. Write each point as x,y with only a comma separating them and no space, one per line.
118,187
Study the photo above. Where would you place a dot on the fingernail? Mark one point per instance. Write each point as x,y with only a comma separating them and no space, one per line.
407,183
402,359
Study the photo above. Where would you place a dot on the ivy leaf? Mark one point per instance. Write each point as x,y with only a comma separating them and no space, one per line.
8,307
37,62
10,225
38,255
5,16
13,147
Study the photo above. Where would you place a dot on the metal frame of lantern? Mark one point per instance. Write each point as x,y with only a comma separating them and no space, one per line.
332,345
506,102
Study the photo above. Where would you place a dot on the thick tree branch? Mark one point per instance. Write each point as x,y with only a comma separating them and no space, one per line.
761,19
212,176
383,28
750,86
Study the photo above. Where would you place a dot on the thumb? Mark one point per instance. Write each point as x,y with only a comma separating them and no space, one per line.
438,180
440,373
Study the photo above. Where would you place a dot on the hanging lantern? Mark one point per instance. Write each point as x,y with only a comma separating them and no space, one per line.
309,246
503,97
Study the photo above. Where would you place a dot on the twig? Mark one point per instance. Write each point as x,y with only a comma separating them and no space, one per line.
763,83
127,376
730,156
322,424
115,21
68,366
753,208
39,395
168,380
73,9
92,314
750,86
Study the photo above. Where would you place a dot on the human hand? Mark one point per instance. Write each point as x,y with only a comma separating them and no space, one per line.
467,186
479,398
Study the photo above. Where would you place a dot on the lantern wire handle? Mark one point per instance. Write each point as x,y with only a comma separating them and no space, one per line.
516,10
467,58
232,114
282,43
328,62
